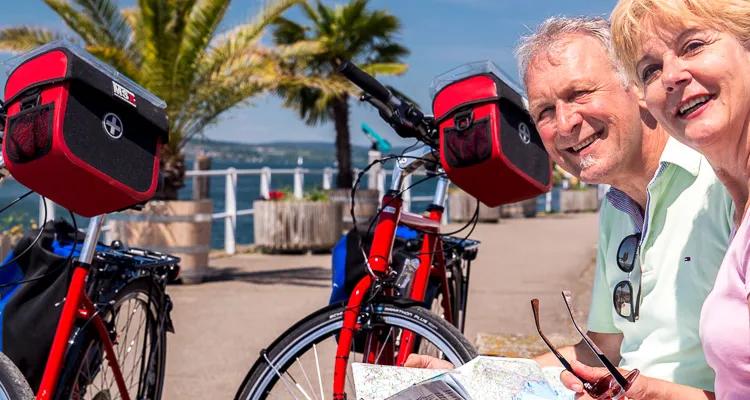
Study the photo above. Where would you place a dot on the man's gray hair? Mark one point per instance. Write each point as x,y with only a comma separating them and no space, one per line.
554,29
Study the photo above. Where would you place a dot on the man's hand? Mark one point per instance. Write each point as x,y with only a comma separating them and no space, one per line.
427,362
592,374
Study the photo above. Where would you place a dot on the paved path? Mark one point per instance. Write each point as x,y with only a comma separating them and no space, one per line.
221,325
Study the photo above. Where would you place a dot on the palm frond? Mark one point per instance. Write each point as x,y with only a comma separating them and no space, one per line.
108,20
77,22
375,69
199,29
238,42
287,32
25,38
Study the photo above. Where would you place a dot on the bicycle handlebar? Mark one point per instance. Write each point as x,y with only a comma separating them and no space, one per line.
368,83
406,119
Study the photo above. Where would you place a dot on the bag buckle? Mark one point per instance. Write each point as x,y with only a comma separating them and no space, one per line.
31,100
463,120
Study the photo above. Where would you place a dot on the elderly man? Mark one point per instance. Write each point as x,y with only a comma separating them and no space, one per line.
665,223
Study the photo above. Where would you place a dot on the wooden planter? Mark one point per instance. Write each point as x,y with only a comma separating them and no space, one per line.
366,204
180,228
579,200
292,226
461,207
524,208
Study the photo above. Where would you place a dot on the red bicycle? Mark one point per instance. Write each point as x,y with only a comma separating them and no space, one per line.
110,341
386,317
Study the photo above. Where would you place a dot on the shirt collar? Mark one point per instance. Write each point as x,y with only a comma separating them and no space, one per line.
682,156
674,153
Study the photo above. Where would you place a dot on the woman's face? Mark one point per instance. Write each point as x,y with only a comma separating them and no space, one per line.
696,83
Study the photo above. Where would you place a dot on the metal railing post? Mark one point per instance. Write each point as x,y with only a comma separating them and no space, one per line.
299,182
230,205
327,178
265,182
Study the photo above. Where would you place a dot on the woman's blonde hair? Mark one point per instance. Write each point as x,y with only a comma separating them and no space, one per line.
631,18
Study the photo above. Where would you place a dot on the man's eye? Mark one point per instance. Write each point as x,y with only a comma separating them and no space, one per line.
544,113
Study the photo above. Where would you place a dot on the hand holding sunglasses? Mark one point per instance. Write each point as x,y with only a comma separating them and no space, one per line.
613,385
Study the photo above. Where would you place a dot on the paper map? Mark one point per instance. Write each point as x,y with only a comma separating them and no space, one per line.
484,378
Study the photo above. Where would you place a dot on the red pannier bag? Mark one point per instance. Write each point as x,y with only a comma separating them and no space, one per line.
489,147
79,133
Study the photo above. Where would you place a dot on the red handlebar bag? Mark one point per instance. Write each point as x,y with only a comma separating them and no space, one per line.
81,134
489,146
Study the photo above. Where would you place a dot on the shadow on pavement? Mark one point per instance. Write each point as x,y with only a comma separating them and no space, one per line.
303,276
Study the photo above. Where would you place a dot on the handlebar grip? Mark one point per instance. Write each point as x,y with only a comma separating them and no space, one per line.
365,81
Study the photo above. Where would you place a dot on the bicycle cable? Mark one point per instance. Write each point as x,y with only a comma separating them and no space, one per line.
36,239
473,220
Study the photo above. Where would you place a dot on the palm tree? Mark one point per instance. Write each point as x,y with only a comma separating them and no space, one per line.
173,49
346,32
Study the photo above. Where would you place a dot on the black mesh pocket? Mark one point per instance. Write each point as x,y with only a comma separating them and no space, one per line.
468,146
29,134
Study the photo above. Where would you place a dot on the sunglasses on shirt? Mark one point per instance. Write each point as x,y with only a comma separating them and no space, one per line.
627,258
611,386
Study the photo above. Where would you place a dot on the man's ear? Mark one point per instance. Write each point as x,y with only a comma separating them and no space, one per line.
639,95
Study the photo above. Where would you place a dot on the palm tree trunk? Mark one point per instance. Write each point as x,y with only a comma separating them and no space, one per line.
173,170
343,145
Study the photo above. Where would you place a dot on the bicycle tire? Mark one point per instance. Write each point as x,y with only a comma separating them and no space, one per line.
328,321
13,385
87,337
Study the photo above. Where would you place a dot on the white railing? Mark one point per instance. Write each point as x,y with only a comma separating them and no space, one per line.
375,180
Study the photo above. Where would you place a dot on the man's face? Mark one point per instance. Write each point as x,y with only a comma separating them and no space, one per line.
589,123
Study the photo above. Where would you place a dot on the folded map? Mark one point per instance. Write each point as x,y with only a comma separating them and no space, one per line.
483,378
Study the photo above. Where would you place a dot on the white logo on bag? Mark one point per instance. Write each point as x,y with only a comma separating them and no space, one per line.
112,125
524,133
123,93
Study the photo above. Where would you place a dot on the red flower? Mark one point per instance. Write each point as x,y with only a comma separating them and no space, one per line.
275,195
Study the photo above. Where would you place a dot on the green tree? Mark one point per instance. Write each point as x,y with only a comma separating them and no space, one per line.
173,49
345,32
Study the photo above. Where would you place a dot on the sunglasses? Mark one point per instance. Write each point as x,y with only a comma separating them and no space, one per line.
627,257
611,386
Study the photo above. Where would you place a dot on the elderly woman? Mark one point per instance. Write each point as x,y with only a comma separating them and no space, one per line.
691,59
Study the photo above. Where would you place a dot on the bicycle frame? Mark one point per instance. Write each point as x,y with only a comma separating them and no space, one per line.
390,218
78,306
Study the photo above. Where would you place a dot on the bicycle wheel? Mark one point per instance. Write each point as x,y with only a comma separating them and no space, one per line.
13,385
139,344
290,354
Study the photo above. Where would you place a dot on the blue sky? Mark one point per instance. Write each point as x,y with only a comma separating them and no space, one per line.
441,34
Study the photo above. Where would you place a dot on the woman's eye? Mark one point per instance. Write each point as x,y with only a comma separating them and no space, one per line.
648,73
693,46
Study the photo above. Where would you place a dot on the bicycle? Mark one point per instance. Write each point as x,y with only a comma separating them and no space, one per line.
89,338
385,317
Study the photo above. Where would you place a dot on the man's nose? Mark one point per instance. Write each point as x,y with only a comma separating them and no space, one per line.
675,76
568,119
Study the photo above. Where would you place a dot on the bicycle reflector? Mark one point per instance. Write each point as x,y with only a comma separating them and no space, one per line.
80,133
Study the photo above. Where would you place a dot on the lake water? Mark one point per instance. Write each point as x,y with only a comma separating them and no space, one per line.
248,190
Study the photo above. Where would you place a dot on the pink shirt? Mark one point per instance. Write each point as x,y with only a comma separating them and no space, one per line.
725,320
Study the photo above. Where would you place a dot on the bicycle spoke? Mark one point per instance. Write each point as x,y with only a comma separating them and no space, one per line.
317,365
307,379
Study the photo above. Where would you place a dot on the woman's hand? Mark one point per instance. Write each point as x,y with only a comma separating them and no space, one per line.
427,362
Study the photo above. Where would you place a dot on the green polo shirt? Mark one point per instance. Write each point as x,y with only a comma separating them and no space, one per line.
685,233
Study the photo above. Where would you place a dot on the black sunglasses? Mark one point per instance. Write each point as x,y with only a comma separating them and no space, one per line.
627,258
611,386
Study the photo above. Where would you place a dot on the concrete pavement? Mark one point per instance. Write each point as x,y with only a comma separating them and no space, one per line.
221,325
